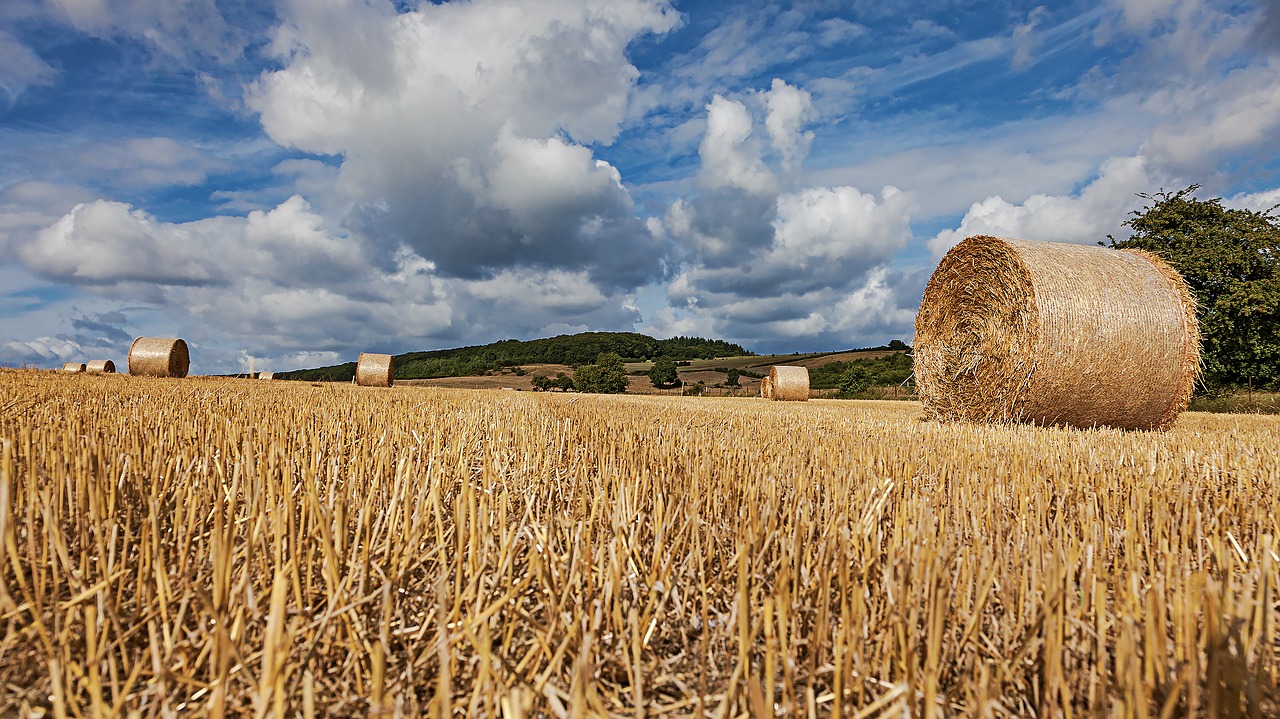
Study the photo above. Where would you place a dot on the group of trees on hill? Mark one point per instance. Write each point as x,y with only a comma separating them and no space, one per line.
854,377
1231,260
573,350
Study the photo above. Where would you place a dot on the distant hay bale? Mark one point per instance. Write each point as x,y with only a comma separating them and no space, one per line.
374,370
266,375
101,367
73,367
1055,334
789,384
766,387
159,357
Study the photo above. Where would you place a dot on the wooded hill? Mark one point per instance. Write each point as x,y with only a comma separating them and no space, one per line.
578,349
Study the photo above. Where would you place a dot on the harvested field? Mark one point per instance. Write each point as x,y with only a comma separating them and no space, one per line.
288,549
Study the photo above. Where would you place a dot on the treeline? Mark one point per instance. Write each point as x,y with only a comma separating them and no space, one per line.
855,377
579,349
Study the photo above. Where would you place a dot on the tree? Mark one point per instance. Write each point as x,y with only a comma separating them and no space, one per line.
606,376
1231,260
731,377
663,373
854,381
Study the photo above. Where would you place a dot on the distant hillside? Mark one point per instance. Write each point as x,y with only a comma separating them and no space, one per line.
582,348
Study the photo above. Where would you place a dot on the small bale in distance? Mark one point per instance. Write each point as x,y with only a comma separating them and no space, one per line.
374,370
101,367
266,375
73,367
159,357
789,384
1052,333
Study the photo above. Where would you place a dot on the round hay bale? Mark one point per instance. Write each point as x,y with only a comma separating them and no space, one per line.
374,370
73,367
1055,334
159,357
766,387
266,375
789,384
101,367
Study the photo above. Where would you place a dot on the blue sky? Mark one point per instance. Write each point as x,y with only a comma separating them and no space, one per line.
303,180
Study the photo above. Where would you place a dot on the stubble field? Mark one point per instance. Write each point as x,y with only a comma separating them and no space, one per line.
227,547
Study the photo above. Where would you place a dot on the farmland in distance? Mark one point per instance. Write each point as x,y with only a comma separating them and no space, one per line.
222,546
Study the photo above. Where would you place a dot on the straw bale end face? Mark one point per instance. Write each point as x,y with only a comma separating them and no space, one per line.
159,357
374,370
766,388
1055,334
101,367
266,375
789,384
73,367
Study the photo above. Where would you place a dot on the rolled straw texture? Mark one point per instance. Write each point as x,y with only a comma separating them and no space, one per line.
374,370
159,357
766,387
789,384
101,367
73,367
1055,334
266,375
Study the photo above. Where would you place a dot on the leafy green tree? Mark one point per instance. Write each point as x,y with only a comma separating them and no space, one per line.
606,376
1231,260
854,381
663,373
731,378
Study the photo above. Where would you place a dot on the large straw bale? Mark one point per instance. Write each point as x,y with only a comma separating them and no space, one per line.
374,370
789,384
1055,334
159,357
766,387
266,375
101,367
73,367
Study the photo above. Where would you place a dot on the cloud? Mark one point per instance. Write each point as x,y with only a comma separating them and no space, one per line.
1267,32
1087,216
283,283
148,162
104,242
463,127
182,29
835,31
731,157
21,67
1256,201
771,266
1209,120
1025,40
788,109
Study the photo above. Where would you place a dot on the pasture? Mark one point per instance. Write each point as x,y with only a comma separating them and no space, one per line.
222,546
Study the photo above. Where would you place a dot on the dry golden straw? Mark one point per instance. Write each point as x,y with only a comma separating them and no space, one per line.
159,357
73,367
101,367
213,548
789,384
1055,334
374,370
766,388
266,375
